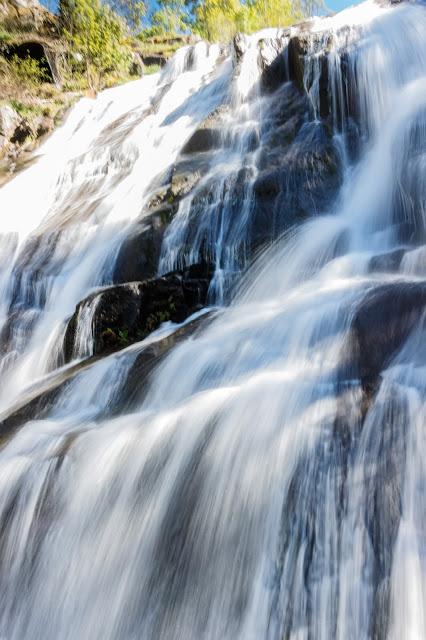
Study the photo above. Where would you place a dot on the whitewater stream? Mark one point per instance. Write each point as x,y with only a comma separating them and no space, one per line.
268,479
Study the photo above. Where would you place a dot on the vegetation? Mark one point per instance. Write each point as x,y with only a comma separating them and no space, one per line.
221,19
97,39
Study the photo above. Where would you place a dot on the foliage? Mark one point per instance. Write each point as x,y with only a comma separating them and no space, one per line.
258,14
221,19
131,10
5,36
97,36
170,17
28,71
217,20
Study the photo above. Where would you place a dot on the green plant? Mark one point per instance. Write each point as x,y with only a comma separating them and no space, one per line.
28,71
123,336
5,36
97,36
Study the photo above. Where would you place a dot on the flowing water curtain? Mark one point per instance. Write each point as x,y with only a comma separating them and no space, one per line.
266,480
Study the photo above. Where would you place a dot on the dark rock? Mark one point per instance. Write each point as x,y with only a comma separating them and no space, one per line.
187,172
37,402
273,61
203,139
129,312
388,262
154,60
139,254
297,49
275,74
382,323
137,379
136,67
22,132
301,177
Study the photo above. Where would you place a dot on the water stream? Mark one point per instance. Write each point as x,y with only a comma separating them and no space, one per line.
255,488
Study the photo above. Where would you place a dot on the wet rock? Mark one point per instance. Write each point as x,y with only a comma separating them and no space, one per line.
203,139
40,400
137,379
139,254
208,136
382,323
301,177
387,262
37,402
129,312
187,172
154,60
273,60
298,47
136,67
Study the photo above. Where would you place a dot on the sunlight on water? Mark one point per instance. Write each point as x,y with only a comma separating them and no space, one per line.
259,485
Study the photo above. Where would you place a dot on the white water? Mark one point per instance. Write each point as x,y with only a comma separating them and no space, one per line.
242,497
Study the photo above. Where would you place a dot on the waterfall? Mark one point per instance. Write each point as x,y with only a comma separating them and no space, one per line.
255,472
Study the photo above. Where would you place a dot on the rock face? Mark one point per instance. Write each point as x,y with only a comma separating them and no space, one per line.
28,14
129,312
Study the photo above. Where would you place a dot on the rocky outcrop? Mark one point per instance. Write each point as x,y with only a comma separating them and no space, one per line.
28,15
127,313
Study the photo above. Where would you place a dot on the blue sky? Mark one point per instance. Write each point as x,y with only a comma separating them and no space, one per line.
334,5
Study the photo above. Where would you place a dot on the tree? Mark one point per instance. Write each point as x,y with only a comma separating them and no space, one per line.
217,20
258,14
170,17
97,35
221,19
131,10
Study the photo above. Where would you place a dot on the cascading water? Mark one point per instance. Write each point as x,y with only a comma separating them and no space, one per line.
266,479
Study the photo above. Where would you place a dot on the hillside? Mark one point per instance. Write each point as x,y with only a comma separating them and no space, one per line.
38,83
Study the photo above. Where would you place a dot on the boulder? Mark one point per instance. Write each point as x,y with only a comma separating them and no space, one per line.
9,121
139,254
129,312
382,323
203,140
387,262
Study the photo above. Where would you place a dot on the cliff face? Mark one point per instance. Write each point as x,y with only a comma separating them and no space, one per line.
28,15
